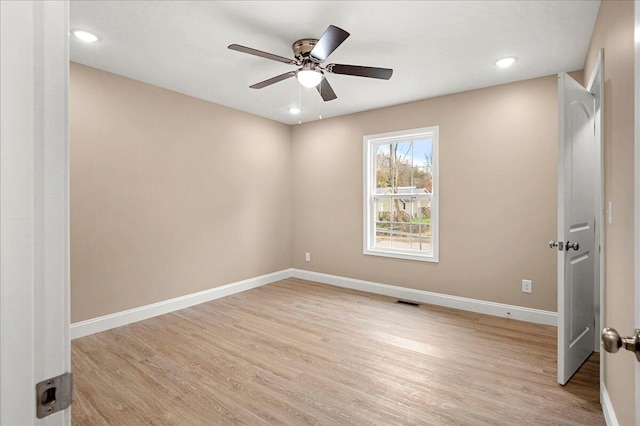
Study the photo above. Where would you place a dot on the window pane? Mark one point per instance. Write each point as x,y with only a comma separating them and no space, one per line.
382,157
422,213
400,235
417,203
401,210
423,180
383,209
405,167
401,154
402,177
404,224
383,181
422,152
425,238
383,238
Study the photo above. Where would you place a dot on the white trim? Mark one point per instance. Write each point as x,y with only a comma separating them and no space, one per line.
596,88
636,207
607,408
405,254
594,72
118,319
34,222
560,229
456,302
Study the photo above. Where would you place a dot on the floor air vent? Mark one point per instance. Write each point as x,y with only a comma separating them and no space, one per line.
404,302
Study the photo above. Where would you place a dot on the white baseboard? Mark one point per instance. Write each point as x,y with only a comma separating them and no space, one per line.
463,303
107,322
607,408
96,325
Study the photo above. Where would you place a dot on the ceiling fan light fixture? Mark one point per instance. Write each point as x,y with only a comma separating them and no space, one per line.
309,77
506,62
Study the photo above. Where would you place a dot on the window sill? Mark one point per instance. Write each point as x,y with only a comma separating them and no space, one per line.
400,255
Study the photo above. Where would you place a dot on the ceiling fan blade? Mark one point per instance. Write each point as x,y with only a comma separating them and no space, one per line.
273,80
326,91
330,40
262,54
360,71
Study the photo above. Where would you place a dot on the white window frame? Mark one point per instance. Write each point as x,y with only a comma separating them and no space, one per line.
369,203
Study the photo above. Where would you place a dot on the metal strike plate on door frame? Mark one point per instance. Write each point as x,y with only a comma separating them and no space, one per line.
53,395
558,244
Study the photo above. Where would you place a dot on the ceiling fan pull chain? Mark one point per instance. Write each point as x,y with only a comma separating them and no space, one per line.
320,103
299,105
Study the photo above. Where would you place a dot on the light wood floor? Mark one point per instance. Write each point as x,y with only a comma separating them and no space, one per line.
296,352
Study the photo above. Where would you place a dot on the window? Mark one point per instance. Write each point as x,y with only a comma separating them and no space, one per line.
401,194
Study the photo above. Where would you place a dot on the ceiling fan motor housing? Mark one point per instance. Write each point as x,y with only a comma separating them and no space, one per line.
303,47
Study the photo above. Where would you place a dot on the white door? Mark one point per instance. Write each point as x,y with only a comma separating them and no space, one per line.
577,192
34,251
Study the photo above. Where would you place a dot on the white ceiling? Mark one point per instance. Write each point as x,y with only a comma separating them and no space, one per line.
434,47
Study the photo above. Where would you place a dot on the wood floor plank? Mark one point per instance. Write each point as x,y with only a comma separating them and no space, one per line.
296,352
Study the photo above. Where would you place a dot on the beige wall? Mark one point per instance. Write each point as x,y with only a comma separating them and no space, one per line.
498,194
614,33
170,195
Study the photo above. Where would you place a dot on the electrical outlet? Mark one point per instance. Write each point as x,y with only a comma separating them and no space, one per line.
527,286
307,257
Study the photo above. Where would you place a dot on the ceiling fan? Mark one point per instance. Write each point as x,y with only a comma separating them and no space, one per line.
309,54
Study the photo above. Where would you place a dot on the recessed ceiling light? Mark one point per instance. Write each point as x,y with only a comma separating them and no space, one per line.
506,62
294,110
85,36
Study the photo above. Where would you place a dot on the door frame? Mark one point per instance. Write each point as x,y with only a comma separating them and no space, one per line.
636,207
34,205
596,88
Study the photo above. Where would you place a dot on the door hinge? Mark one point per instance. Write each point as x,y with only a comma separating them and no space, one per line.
54,394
